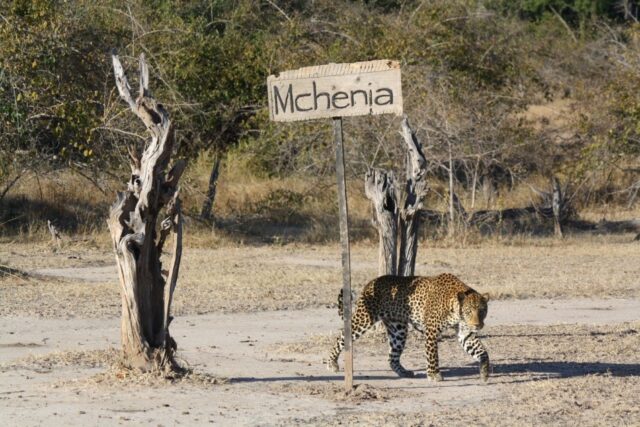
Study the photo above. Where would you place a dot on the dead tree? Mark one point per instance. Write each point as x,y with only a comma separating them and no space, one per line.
460,215
451,193
556,204
205,213
397,213
55,234
414,192
379,188
152,195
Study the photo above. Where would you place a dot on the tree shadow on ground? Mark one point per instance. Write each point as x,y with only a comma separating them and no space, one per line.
536,370
314,378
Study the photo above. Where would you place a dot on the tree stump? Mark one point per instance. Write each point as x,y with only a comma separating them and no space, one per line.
205,213
56,238
398,215
152,194
379,188
411,203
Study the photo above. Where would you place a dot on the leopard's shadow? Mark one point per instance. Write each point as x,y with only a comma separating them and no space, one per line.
551,369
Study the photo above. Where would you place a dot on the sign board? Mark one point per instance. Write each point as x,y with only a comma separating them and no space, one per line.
336,90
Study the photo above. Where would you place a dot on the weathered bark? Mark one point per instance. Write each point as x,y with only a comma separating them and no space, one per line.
415,190
152,191
205,213
379,188
556,205
397,213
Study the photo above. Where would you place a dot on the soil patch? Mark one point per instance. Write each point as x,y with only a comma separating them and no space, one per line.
556,373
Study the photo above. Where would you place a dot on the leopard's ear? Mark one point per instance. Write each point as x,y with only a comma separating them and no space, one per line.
486,297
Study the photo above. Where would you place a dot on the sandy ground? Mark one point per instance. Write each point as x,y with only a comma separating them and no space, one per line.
273,364
563,337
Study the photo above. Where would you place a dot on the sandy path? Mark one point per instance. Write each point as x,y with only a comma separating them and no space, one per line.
266,387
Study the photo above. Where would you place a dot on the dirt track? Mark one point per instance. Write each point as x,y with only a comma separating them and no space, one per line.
254,323
273,364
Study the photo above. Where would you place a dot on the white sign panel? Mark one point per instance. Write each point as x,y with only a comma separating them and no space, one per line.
336,90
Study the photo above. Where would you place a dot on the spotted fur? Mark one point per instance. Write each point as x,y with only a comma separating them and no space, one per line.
429,304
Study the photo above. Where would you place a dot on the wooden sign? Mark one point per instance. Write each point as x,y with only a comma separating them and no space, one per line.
336,90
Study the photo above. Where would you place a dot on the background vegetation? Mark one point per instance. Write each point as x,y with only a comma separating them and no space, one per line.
517,90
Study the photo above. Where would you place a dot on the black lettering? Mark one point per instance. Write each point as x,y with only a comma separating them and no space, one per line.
278,99
386,93
317,95
353,96
340,96
298,107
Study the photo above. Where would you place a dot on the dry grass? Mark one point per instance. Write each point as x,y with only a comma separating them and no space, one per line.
118,377
249,278
593,400
248,209
59,359
115,374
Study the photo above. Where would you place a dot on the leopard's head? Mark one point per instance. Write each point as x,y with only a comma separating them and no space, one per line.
473,309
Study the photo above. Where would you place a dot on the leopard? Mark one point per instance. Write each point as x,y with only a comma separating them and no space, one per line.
429,305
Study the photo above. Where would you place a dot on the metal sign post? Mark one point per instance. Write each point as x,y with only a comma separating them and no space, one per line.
346,261
336,91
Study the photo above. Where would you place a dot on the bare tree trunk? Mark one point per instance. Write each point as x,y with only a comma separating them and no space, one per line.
474,184
379,188
557,207
488,190
451,195
459,211
415,190
205,214
152,192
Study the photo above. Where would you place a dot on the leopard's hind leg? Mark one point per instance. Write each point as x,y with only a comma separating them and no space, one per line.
397,334
361,321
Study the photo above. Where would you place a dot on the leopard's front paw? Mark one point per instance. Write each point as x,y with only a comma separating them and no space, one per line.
434,376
